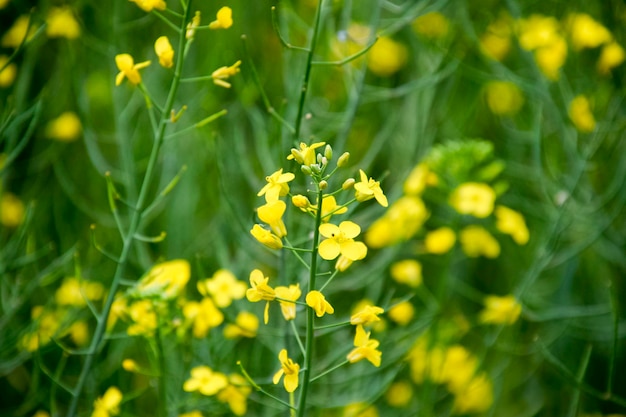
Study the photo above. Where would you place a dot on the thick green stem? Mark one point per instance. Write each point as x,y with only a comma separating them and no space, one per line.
134,224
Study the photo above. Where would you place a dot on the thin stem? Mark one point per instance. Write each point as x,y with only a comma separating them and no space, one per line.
295,333
326,372
261,390
335,272
615,314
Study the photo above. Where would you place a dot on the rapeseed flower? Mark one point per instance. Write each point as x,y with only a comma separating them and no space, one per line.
221,74
260,290
18,33
305,155
61,23
166,280
475,397
408,271
65,128
439,241
224,19
401,313
500,310
476,199
205,381
496,41
144,318
340,240
272,214
130,365
149,5
191,26
236,394
203,315
433,25
401,222
386,57
128,69
542,35
47,326
109,404
367,315
246,325
503,98
73,292
476,241
287,297
266,237
301,201
79,333
330,208
581,115
11,210
165,52
551,58
419,178
276,185
368,189
611,56
317,302
289,369
223,287
585,32
399,394
512,223
360,410
8,74
343,263
365,348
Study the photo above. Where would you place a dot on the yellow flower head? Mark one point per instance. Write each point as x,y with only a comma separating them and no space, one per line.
512,223
8,74
419,178
287,297
473,198
367,315
19,31
585,32
401,222
128,69
439,241
330,208
266,237
402,313
365,348
503,98
551,58
432,25
235,394
203,315
11,210
164,51
301,201
246,325
476,241
205,381
191,26
289,369
149,5
386,57
224,19
580,113
166,280
317,302
399,394
340,240
223,287
496,41
276,185
144,318
130,365
65,128
500,310
260,290
108,404
60,23
306,154
342,263
408,271
538,31
475,398
368,189
223,73
612,55
73,292
272,214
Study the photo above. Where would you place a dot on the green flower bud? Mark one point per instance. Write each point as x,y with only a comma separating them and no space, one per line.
348,184
343,159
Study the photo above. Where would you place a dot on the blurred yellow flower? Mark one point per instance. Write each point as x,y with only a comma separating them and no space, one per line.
73,292
203,315
500,310
61,23
475,397
289,369
419,178
164,51
205,381
194,413
108,404
128,69
476,199
47,325
408,271
266,237
611,56
149,5
287,297
166,280
144,318
365,348
503,98
11,210
340,240
38,413
476,241
366,189
401,313
223,287
399,394
272,214
236,394
3,4
224,19
221,74
386,57
401,222
360,410
260,290
246,325
79,333
551,58
512,223
191,26
130,365
585,32
305,155
367,315
580,114
542,34
432,25
496,41
317,302
16,34
8,73
439,241
276,185
65,128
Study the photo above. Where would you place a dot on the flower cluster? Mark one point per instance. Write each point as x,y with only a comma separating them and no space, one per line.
230,389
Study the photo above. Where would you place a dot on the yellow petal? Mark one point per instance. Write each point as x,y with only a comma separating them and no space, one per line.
329,249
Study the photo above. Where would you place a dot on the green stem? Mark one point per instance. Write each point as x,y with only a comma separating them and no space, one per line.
326,372
134,224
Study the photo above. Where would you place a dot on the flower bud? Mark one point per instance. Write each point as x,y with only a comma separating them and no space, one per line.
320,159
297,155
315,168
300,201
343,159
306,170
328,152
348,184
323,185
342,263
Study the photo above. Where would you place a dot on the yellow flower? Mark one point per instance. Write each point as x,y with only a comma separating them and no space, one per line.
330,208
108,404
204,316
538,31
191,26
128,69
368,189
306,154
458,368
65,128
612,55
223,73
407,272
287,297
512,223
73,292
432,25
144,318
266,237
11,210
224,19
164,51
476,397
194,413
386,57
360,410
223,287
289,369
503,98
342,263
149,5
272,213
38,413
439,241
79,333
130,365
367,315
8,74
205,381
60,23
340,240
14,37
401,222
419,178
399,394
235,394
580,113
496,41
473,198
500,310
166,280
365,348
276,185
246,325
551,58
260,290
476,241
402,313
585,32
317,302
301,201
